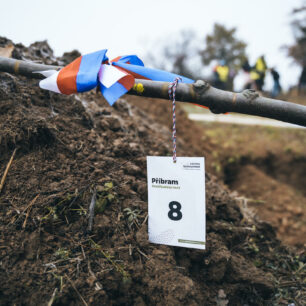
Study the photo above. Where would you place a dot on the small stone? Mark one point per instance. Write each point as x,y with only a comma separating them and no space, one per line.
114,123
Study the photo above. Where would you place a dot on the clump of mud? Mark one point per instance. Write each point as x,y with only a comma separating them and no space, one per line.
69,148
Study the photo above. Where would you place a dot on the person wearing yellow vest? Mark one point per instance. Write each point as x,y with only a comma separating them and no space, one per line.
221,74
258,72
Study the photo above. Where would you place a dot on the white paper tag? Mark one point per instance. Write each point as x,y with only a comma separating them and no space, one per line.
176,197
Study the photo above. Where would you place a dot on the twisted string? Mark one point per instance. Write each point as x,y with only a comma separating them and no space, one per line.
171,91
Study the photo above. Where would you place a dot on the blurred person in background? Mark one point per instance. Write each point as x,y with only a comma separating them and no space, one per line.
246,68
221,75
258,72
302,81
276,90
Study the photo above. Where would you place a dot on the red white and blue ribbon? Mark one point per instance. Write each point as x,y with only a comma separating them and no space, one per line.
114,78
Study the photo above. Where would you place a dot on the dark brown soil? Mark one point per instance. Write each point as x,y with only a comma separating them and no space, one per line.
279,203
70,147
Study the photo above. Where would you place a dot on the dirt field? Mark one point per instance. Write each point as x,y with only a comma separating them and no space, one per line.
267,167
68,148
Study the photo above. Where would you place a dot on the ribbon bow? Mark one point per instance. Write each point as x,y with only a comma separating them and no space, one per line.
114,78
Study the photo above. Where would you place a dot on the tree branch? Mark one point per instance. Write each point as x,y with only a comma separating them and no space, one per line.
218,101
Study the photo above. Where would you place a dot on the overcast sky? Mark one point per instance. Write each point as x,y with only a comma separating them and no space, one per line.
128,27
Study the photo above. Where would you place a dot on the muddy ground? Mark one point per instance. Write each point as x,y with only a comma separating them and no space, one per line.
68,148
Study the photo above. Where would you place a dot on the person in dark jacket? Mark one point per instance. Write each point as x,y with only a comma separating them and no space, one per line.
302,81
246,68
276,90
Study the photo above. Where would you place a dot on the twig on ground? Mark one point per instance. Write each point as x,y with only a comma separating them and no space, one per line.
84,256
91,211
28,212
6,170
22,213
76,290
78,266
145,220
98,285
52,297
143,254
90,271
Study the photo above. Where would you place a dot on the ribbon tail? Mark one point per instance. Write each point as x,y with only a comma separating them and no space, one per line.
140,72
113,93
50,83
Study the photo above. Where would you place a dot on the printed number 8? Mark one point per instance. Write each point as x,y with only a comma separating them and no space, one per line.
175,211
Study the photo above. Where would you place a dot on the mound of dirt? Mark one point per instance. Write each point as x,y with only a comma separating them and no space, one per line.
70,148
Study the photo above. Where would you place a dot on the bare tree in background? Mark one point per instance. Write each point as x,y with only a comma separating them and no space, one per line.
298,50
177,54
222,44
185,54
